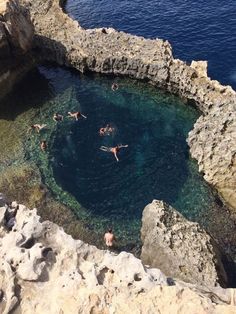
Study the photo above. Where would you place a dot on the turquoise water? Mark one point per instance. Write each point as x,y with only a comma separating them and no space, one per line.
101,191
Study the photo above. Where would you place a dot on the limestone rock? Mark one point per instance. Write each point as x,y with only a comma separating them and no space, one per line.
213,143
16,37
180,248
16,29
200,67
57,274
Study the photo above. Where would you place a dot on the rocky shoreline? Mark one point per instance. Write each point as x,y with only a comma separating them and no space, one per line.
44,269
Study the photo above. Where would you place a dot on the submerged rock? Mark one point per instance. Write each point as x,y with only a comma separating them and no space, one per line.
180,248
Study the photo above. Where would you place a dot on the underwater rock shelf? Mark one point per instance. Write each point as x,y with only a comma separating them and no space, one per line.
212,141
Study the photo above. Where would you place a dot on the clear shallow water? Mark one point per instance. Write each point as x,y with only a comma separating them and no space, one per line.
197,30
101,191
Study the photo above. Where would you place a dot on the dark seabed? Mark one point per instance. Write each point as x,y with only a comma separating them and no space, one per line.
197,30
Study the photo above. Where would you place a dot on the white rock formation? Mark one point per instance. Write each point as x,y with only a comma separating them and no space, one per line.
44,270
180,248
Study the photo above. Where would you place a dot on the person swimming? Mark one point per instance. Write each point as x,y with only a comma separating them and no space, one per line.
37,127
114,86
113,150
57,117
43,145
76,115
107,130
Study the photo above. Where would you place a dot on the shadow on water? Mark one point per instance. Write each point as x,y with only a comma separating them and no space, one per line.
31,92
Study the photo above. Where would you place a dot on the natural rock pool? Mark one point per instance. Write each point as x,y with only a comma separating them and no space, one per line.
101,191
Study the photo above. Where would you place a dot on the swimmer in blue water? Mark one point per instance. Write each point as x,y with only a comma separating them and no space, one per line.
36,127
76,115
57,117
113,150
114,86
107,130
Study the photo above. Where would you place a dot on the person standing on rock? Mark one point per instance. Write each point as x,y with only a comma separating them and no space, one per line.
109,238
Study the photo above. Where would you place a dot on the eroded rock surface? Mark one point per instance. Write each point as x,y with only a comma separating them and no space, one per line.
213,143
16,37
45,270
180,248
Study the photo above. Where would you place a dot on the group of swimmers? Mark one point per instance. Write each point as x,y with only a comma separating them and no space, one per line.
104,131
57,118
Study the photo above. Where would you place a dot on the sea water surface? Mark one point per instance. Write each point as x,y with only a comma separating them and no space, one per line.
197,30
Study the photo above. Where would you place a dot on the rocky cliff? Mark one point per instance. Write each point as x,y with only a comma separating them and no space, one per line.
180,248
16,36
45,270
212,141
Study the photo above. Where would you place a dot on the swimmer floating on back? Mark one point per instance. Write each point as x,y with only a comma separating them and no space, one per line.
113,150
37,127
57,117
76,115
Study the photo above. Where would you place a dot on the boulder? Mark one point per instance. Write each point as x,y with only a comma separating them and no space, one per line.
16,29
180,248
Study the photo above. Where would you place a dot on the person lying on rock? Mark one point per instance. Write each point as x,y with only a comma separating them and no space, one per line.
57,117
113,150
109,238
36,127
76,115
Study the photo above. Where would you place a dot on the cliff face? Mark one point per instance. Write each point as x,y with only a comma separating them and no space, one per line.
16,36
180,248
61,39
16,29
43,270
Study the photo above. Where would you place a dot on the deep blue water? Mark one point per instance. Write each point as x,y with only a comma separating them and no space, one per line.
197,30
